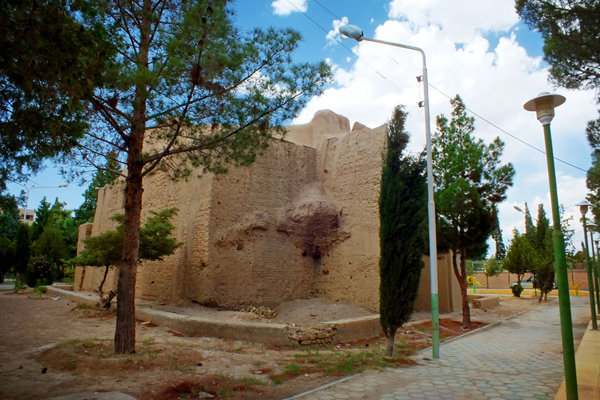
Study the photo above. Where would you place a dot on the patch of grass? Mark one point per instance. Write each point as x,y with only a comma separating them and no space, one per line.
293,369
340,363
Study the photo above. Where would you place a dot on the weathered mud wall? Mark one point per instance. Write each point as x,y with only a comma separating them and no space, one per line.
301,221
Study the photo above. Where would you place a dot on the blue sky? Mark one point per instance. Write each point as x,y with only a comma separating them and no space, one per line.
478,49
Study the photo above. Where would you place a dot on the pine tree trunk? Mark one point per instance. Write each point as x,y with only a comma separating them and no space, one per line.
125,329
461,277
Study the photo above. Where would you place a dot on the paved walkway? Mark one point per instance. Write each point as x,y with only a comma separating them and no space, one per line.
520,358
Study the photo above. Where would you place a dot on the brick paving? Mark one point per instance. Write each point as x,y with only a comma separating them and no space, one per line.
517,359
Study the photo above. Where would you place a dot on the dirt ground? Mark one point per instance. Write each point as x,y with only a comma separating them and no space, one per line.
50,346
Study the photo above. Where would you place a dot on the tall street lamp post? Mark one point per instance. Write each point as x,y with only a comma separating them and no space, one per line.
354,32
583,208
591,228
544,106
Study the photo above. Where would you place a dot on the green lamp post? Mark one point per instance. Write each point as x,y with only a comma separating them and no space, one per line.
544,105
583,208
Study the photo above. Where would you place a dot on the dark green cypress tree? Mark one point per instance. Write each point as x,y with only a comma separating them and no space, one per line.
403,214
22,250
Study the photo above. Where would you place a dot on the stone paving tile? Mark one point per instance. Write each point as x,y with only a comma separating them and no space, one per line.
519,359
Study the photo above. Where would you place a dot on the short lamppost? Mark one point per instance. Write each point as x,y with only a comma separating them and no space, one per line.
591,228
583,208
354,32
544,106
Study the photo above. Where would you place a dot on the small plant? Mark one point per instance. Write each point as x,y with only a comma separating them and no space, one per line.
293,369
39,289
517,290
40,271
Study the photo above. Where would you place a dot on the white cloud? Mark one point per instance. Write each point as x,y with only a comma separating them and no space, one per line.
286,7
333,36
493,80
461,19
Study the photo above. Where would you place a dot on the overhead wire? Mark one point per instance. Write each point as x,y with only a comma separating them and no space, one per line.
476,114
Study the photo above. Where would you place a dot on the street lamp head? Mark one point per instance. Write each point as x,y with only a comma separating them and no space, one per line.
63,185
352,31
544,105
583,207
518,209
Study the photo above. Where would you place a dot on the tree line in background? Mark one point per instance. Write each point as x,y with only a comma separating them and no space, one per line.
41,252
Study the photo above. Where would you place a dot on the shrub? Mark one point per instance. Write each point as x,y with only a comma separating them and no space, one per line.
517,289
40,271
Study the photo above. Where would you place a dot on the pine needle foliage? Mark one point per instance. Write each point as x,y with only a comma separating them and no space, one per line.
403,213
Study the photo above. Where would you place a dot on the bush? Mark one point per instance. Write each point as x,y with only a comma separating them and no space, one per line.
517,289
40,271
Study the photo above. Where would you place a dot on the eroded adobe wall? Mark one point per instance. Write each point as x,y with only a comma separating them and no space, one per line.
252,258
301,221
350,169
172,278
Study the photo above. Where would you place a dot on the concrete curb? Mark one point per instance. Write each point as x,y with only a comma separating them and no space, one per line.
276,334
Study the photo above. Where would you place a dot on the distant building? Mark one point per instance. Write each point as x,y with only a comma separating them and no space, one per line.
27,215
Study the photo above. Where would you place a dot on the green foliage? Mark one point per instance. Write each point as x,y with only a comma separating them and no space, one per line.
55,232
9,219
403,214
544,253
571,32
42,214
40,271
102,177
155,241
49,63
7,256
22,249
517,290
520,257
469,182
492,267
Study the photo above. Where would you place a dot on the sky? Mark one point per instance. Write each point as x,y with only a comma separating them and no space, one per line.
477,49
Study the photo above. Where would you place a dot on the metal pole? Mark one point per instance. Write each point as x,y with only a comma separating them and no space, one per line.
566,325
590,278
594,271
435,327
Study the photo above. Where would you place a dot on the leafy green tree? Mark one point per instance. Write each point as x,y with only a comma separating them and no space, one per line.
520,256
7,256
402,213
544,254
103,176
42,214
49,64
571,32
491,267
51,244
22,251
9,219
185,90
469,182
105,250
497,236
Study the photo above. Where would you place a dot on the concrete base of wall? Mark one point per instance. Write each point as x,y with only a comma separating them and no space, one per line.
276,334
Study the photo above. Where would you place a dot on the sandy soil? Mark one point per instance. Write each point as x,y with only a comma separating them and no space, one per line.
50,346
